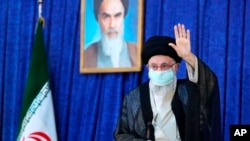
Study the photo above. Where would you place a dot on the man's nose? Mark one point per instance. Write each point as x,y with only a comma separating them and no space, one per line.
112,22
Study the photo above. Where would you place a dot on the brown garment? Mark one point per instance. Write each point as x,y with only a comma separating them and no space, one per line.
90,55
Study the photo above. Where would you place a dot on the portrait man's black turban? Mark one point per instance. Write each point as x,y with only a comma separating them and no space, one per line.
97,4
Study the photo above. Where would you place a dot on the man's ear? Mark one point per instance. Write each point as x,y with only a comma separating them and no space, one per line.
176,67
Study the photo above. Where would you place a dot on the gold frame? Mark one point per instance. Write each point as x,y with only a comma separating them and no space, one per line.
139,43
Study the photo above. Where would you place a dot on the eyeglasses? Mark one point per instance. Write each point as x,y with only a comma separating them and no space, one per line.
164,66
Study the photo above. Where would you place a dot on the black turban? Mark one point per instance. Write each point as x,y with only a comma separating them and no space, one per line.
97,4
158,45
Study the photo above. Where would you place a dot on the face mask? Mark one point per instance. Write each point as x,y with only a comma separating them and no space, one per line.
161,78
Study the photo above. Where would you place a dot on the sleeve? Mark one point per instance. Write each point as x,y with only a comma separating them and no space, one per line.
209,102
122,131
207,83
192,73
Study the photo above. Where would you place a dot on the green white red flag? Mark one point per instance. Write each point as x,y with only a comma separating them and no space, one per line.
37,121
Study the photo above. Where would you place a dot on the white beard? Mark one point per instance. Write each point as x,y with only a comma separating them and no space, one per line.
112,46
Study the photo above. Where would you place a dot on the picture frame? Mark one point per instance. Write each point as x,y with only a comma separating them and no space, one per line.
125,55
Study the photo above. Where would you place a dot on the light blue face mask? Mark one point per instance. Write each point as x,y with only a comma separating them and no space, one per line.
161,78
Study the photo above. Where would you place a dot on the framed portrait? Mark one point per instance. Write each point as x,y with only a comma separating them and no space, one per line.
111,36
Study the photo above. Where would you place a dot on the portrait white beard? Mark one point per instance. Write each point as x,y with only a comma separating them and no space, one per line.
112,46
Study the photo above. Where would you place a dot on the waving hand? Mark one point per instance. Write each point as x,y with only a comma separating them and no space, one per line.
183,44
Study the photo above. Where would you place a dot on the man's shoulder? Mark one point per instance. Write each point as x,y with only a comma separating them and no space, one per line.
134,95
92,47
132,48
90,54
136,90
131,44
91,50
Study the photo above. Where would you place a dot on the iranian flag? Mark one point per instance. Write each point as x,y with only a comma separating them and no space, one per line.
37,114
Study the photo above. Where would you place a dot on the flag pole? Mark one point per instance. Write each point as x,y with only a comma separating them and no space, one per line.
40,11
40,6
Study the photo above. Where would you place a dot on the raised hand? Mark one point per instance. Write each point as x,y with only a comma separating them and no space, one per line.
183,44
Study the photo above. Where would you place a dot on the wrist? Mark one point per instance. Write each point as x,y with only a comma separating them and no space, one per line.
190,59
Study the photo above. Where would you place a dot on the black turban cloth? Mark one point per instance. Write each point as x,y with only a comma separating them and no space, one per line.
158,45
97,4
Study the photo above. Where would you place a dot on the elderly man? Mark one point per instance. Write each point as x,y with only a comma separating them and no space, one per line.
111,51
166,108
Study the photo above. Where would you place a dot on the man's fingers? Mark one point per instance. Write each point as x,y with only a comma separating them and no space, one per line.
181,32
176,33
172,45
188,35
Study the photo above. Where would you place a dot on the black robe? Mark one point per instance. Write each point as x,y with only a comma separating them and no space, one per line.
196,107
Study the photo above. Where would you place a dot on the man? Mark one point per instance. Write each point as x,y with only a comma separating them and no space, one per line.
167,109
111,50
